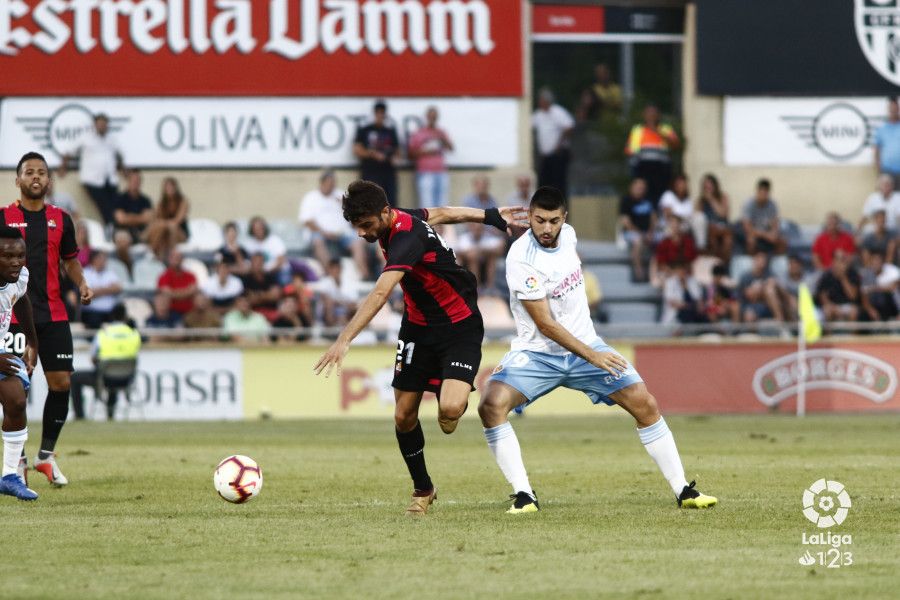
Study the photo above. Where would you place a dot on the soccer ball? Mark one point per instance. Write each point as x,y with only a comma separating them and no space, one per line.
238,479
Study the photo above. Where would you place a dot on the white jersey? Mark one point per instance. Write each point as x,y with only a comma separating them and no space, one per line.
534,272
9,295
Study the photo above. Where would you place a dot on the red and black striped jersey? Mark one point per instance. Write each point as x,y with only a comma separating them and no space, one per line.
49,237
436,290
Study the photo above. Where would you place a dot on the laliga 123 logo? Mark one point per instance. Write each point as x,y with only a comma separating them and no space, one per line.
826,503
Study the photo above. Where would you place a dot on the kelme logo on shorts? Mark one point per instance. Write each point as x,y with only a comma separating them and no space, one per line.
826,503
826,369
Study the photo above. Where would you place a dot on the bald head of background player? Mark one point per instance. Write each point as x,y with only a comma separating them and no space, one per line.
38,223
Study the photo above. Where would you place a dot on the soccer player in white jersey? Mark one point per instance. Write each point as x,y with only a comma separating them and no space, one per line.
556,346
14,373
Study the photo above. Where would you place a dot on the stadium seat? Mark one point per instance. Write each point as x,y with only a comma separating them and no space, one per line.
138,309
601,252
206,236
703,267
740,265
146,272
495,312
118,267
97,235
631,312
197,267
296,238
615,279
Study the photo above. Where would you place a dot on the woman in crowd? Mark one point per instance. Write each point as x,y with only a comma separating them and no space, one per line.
169,226
713,203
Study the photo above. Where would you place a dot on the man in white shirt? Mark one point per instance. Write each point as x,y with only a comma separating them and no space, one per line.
107,287
100,160
552,127
332,237
884,198
556,346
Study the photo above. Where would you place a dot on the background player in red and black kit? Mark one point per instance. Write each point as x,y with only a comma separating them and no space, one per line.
440,338
50,240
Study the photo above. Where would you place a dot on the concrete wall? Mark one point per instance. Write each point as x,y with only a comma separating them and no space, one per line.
804,194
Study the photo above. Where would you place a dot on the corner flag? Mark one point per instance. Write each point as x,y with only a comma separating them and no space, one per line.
812,330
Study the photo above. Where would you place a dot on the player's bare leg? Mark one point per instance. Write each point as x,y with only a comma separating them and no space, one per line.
452,403
15,433
496,403
56,410
659,442
411,440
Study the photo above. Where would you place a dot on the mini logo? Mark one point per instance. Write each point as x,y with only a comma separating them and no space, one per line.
826,503
840,131
877,25
62,131
531,283
826,369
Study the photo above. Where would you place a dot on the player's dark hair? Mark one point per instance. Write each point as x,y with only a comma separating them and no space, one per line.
31,156
10,233
118,313
548,198
363,199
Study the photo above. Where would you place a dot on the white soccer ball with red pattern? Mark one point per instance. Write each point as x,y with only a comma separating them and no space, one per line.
238,479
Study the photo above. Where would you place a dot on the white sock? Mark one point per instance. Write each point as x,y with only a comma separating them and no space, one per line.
13,444
660,445
504,445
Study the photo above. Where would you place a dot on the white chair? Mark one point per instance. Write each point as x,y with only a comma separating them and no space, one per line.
206,235
198,268
146,272
495,313
97,235
295,237
138,309
118,267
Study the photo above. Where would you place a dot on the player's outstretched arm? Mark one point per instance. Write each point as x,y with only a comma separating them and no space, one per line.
364,314
539,310
501,218
25,317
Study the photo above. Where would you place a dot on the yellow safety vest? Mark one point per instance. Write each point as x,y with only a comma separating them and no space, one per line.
116,341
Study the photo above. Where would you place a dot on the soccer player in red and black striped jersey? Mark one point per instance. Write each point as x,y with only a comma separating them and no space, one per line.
441,334
50,241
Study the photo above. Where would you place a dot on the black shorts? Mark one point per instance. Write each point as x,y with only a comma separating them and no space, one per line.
54,344
428,355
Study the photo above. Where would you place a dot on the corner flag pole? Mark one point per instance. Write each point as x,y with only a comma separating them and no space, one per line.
808,331
801,367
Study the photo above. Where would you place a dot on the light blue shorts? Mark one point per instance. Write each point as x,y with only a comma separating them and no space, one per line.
535,374
22,374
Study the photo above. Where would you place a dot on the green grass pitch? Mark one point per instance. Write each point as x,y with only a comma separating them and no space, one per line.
141,519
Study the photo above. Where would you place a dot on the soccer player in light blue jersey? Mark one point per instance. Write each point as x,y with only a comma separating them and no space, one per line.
556,346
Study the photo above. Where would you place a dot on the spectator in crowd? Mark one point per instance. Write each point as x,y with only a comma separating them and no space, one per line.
339,296
649,148
84,243
61,199
117,340
377,147
714,205
880,285
759,292
721,297
553,127
178,284
683,297
479,247
321,211
163,317
603,99
100,159
232,253
269,245
261,287
761,224
289,317
832,239
203,315
791,281
884,199
169,225
521,194
223,287
132,213
427,148
244,324
675,248
107,288
838,293
638,221
303,298
887,143
880,239
676,201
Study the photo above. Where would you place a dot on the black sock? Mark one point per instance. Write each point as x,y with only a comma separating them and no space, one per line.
56,409
412,447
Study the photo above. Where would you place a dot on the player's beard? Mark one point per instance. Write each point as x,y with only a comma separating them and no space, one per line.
547,244
30,194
